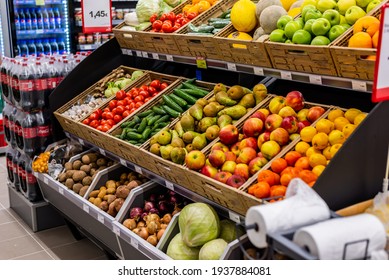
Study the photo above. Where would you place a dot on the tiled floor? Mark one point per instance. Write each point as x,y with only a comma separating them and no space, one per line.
19,242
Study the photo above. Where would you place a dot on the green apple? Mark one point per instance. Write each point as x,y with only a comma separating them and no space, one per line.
323,5
333,16
306,8
308,25
321,26
372,5
302,37
343,5
277,35
345,25
363,3
309,2
342,20
336,31
288,41
353,14
291,27
320,41
283,20
312,14
300,21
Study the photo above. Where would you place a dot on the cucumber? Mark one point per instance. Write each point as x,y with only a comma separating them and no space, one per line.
159,125
163,119
134,136
158,110
146,133
205,28
196,93
152,120
150,116
187,97
216,30
133,142
145,113
178,100
213,19
191,86
199,34
225,14
192,28
142,125
171,112
220,23
169,102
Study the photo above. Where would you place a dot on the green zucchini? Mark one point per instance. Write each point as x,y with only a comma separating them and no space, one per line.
178,100
171,112
133,142
220,23
169,102
204,28
187,97
191,86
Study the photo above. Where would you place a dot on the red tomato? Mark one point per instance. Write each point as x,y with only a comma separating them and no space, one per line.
104,115
155,94
191,15
171,16
93,116
98,112
143,87
138,104
128,100
163,86
99,127
120,109
153,18
143,93
130,105
176,26
128,94
167,26
107,109
139,98
157,25
121,103
163,17
151,90
148,99
102,122
94,123
110,122
180,15
105,128
109,115
114,111
120,94
86,121
117,118
112,104
126,113
178,20
155,84
132,110
185,21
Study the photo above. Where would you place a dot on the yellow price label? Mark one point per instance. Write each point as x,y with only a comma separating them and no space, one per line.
201,62
40,2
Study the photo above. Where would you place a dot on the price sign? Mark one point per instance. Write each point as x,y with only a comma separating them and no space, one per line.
40,2
46,181
100,218
315,79
169,185
234,217
102,151
123,162
259,71
85,208
155,56
381,81
60,190
145,54
96,16
138,53
138,169
169,57
116,230
81,142
201,62
359,85
134,243
286,75
231,66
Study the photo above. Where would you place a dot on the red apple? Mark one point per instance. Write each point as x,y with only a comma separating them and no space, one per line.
314,113
217,158
235,181
230,156
260,115
263,138
242,169
235,149
195,160
270,149
280,135
252,127
248,142
276,104
295,99
302,124
229,134
246,155
272,122
256,164
229,166
220,146
302,114
290,124
208,171
222,176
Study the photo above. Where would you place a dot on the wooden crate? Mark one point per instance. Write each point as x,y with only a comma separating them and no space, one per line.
240,51
354,63
201,46
126,39
74,126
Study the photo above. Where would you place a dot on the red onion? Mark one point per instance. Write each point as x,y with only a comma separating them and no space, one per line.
136,213
148,206
144,214
154,211
171,193
163,206
153,197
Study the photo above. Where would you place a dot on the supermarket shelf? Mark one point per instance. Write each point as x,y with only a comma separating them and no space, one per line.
114,22
28,33
33,2
338,82
158,179
88,47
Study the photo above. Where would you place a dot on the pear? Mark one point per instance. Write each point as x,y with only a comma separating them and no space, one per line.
206,122
224,120
247,101
174,135
177,155
219,87
196,111
155,149
212,99
178,142
210,110
203,102
189,148
223,99
199,142
179,129
187,123
164,137
189,136
236,92
212,132
260,93
165,151
153,140
235,112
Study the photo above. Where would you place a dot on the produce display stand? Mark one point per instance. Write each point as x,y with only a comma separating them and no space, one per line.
354,175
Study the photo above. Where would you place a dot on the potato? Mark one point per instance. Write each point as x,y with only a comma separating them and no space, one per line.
68,166
103,188
87,180
91,199
101,162
117,184
111,190
92,171
69,183
77,187
111,198
134,184
118,203
104,206
102,193
69,173
89,158
86,168
62,177
110,184
78,176
122,191
97,201
101,168
83,190
111,210
94,193
94,165
123,177
77,165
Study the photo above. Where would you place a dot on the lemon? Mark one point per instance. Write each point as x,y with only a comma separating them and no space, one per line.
351,113
327,153
302,147
307,133
334,149
320,141
340,122
359,118
287,3
318,169
317,159
312,151
294,12
325,126
335,114
336,137
348,129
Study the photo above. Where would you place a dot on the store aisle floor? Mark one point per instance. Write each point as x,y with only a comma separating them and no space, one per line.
19,242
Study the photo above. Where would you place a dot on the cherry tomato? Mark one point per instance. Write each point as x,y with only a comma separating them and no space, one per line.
139,98
163,17
104,115
143,93
120,109
151,90
105,128
167,26
110,122
163,86
171,16
93,116
138,104
94,123
191,15
148,99
126,113
86,121
153,18
155,84
112,104
117,118
157,25
109,115
120,94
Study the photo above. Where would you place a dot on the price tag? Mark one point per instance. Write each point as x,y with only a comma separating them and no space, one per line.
286,75
234,217
315,79
138,53
85,208
100,218
169,185
169,57
81,142
231,66
60,190
102,151
201,62
40,2
116,230
123,162
126,51
259,71
96,16
46,181
134,243
138,169
358,85
155,56
145,54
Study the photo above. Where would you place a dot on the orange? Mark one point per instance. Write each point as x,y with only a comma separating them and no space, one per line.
374,39
186,8
278,165
277,190
277,178
193,9
267,176
291,157
317,159
251,189
307,176
368,24
203,6
360,40
285,179
371,57
262,190
291,170
312,183
303,163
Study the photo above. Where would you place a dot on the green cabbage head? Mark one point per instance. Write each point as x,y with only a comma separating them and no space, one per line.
177,250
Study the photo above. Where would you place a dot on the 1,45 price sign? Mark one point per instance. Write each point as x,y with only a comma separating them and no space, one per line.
96,16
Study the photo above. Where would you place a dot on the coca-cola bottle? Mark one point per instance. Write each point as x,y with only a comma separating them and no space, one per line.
53,77
43,131
7,111
11,123
19,117
15,161
9,154
26,87
40,85
22,173
4,77
29,134
13,82
33,192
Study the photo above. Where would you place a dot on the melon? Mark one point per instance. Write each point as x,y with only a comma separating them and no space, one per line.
240,36
263,4
243,16
269,17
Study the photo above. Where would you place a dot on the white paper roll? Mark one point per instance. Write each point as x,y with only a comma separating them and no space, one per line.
356,237
302,206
